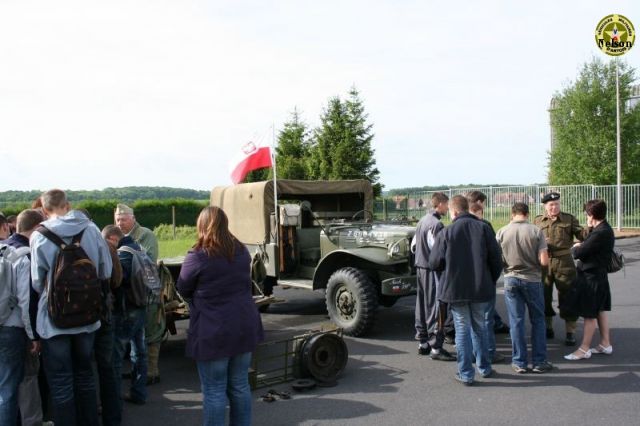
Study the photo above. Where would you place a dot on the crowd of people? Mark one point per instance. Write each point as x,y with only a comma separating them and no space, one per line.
458,267
73,302
70,307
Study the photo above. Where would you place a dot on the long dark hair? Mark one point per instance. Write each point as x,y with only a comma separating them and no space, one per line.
214,236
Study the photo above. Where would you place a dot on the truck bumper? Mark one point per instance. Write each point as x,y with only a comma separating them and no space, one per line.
400,286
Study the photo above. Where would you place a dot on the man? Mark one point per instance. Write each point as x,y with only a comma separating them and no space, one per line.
479,199
5,229
155,323
29,400
12,220
67,351
559,229
129,321
15,329
470,257
476,201
524,252
103,346
430,314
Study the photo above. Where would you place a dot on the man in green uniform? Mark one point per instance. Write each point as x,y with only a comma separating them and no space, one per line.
155,325
559,229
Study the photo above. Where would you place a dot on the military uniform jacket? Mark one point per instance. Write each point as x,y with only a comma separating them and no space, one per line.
147,239
560,233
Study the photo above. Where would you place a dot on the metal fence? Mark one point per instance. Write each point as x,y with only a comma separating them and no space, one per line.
412,206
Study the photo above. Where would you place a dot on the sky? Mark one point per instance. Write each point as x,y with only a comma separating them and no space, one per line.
97,94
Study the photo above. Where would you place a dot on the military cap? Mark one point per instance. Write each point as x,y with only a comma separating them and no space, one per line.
552,196
123,209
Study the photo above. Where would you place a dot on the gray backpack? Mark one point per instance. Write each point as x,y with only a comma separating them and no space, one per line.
8,300
145,281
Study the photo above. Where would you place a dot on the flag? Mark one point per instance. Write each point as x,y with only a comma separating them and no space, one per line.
252,157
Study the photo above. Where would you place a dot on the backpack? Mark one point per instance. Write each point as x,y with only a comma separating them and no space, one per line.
75,292
145,282
8,300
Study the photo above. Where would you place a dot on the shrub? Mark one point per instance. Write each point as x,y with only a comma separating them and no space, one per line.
184,232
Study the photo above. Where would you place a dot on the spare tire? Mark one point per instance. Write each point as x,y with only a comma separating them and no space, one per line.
323,357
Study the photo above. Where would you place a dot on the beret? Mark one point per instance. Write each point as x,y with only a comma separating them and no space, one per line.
552,196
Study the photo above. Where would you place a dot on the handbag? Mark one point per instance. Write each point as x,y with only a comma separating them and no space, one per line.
616,262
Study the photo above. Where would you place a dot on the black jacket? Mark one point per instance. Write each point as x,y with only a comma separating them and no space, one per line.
595,251
471,258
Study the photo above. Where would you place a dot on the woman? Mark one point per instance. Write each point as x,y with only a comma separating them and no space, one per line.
594,295
225,325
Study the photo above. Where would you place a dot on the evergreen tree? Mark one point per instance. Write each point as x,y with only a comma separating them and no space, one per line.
258,175
583,117
327,137
292,150
359,136
342,143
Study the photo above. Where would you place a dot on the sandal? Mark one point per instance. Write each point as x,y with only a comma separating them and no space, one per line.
606,350
572,357
268,398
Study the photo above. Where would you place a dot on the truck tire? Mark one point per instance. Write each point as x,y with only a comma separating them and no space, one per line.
351,301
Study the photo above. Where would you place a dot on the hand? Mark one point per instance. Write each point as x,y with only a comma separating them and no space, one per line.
577,244
36,346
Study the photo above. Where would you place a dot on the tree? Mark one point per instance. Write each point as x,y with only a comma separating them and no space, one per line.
293,148
259,175
583,118
342,143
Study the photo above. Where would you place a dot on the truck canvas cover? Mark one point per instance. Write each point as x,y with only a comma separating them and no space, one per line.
249,205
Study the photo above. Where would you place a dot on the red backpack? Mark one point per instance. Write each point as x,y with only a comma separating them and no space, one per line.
75,292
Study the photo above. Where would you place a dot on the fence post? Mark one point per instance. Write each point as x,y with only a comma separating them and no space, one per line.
491,204
407,208
384,208
173,220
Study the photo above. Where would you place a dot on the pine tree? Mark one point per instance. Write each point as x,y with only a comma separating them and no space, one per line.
292,150
342,143
327,138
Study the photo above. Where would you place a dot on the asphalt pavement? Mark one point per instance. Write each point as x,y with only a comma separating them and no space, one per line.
387,383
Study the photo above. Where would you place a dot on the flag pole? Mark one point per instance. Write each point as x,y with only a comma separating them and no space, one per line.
275,181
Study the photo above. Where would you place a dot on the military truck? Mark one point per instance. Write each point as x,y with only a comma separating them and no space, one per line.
324,238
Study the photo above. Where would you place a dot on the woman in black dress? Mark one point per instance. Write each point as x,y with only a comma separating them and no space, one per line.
594,295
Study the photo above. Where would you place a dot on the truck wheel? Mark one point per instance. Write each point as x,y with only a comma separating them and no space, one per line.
351,301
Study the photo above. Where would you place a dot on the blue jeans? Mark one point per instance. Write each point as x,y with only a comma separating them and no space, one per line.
129,326
13,343
518,295
471,338
67,362
226,378
103,349
489,319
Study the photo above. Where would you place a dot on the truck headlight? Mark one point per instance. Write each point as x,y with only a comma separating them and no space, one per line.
398,249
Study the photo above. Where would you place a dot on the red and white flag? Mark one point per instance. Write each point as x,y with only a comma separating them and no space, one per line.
251,157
